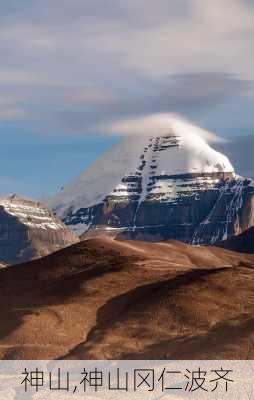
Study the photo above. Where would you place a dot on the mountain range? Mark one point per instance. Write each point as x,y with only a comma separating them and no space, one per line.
170,186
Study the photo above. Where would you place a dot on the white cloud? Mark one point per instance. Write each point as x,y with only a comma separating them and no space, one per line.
87,96
65,55
216,36
159,124
17,76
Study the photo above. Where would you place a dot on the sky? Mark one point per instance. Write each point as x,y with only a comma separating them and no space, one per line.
72,69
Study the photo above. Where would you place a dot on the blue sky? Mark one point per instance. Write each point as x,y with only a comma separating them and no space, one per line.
70,70
38,165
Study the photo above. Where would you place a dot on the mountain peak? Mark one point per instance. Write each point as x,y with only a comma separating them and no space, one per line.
145,156
170,185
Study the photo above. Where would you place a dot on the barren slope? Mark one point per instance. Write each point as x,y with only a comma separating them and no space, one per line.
114,299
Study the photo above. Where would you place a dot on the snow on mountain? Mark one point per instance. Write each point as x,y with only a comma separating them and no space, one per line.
180,153
30,213
171,185
29,230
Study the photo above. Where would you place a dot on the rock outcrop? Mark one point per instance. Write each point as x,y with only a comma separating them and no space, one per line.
28,231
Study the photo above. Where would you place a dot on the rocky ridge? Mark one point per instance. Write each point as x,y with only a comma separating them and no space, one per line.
28,230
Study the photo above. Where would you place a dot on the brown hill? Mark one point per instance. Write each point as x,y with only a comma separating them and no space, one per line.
244,243
107,299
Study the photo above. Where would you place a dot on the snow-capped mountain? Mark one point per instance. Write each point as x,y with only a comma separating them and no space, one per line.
172,185
28,230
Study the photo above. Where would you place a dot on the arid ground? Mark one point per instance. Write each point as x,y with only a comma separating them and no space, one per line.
106,299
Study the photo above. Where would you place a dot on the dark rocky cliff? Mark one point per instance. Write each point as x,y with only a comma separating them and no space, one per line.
203,217
28,231
243,243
